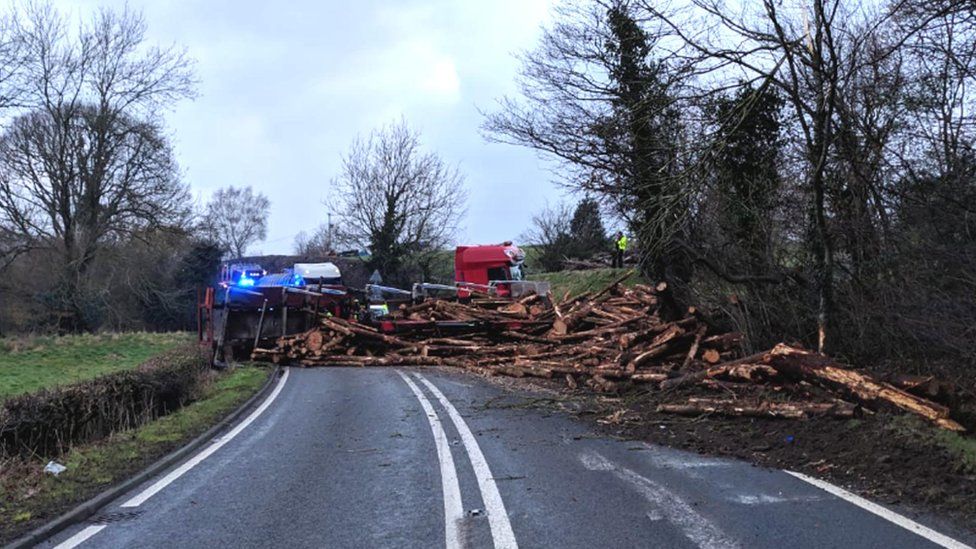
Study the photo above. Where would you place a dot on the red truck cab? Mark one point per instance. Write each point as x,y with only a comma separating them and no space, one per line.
481,265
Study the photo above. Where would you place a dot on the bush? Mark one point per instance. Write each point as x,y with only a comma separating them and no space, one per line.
46,423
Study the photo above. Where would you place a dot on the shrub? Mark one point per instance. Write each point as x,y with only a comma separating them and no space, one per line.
46,423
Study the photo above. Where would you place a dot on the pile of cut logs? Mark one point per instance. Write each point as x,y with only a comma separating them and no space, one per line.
610,340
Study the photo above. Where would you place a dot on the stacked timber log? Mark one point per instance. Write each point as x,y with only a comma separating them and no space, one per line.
610,340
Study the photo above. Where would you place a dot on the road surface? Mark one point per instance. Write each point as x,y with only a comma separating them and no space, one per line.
346,457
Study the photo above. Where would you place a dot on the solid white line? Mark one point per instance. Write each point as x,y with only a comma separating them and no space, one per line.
668,505
453,511
216,445
80,537
890,516
501,528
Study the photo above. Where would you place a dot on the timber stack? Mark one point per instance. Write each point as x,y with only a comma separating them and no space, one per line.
611,340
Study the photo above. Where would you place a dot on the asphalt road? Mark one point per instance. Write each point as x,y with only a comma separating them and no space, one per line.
428,458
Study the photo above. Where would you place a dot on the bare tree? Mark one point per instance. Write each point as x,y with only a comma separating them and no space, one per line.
316,244
395,199
236,218
809,54
601,96
551,234
87,161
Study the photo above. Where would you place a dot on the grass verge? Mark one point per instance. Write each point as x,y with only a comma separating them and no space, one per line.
30,364
961,448
577,282
28,497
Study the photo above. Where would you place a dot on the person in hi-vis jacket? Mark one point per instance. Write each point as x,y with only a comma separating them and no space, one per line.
619,247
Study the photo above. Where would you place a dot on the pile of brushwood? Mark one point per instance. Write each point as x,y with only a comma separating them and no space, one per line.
611,340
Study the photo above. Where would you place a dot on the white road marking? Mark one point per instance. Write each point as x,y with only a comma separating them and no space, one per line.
766,499
672,459
453,510
80,537
678,512
890,516
501,528
217,444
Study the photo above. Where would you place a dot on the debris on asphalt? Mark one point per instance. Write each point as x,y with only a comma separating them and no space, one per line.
54,468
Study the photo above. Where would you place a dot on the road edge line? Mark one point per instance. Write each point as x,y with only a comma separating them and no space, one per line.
88,508
882,512
501,526
81,537
451,488
215,444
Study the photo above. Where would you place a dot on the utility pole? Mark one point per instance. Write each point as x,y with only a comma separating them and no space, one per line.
329,242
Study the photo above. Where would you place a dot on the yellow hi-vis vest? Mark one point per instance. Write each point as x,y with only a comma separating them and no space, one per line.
622,243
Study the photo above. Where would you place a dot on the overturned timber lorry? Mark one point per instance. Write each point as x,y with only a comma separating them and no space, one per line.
250,309
234,319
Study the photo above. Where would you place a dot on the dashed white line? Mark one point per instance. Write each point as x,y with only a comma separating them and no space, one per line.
677,511
80,537
890,516
217,444
501,527
453,511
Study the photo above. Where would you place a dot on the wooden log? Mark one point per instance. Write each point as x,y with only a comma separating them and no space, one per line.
571,381
420,307
525,337
522,370
810,366
613,284
603,385
359,331
314,340
711,356
788,410
649,377
605,314
609,329
563,325
694,377
514,309
693,350
748,372
924,386
633,338
723,342
659,346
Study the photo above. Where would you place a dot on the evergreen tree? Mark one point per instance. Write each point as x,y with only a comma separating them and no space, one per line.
745,170
586,228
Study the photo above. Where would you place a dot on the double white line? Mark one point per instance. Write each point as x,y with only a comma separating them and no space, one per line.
501,528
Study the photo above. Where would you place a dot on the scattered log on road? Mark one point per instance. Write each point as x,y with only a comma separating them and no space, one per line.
728,407
610,340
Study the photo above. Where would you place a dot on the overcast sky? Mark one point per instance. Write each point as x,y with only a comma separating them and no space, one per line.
286,86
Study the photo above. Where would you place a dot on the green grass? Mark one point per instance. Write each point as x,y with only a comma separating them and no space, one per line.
964,448
31,364
28,496
578,282
961,447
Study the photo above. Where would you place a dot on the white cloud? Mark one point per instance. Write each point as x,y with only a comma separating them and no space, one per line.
413,70
286,86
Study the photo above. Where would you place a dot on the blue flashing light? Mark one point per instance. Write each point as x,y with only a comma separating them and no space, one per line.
245,281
